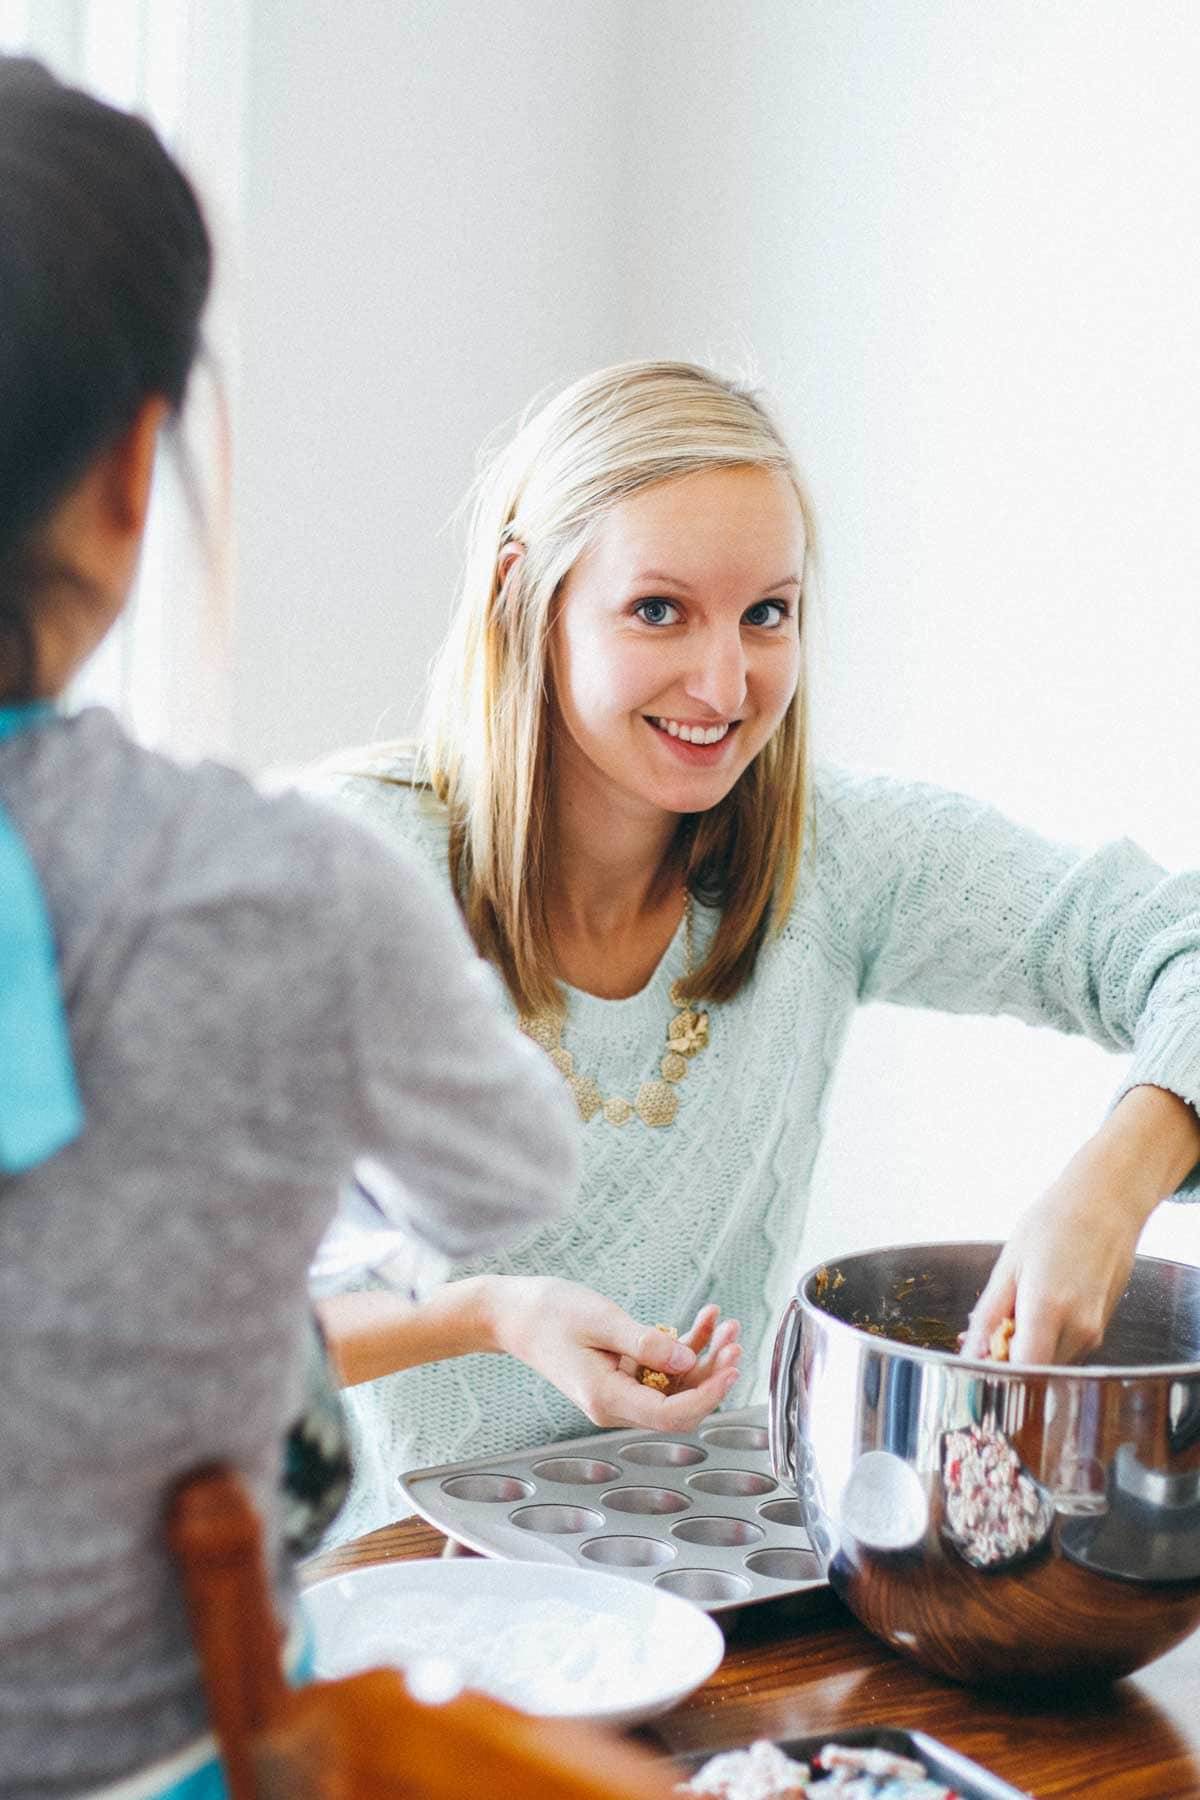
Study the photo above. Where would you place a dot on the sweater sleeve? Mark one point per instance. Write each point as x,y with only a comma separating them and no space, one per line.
462,1111
940,901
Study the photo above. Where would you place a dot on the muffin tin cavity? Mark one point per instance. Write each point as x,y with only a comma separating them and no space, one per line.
718,1531
571,1470
735,1437
646,1500
783,1565
659,1453
705,1586
782,1512
696,1513
627,1552
492,1490
562,1521
731,1481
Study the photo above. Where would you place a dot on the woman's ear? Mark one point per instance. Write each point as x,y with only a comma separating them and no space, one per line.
508,559
128,468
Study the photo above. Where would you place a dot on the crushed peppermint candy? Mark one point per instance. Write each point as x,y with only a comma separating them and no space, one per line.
764,1772
995,1511
849,1771
761,1772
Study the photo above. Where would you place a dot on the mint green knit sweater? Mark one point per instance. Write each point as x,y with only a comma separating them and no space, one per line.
910,894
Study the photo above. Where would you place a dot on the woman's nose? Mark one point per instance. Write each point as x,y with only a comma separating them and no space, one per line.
718,677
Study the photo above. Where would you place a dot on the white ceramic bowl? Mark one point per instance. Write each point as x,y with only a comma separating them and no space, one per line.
552,1640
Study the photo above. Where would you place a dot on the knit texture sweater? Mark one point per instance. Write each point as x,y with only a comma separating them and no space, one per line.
909,894
242,1031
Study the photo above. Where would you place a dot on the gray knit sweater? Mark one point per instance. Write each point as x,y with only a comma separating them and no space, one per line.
257,993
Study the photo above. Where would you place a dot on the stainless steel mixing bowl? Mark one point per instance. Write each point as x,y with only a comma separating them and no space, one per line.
999,1522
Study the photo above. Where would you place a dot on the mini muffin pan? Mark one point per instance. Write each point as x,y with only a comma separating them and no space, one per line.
700,1514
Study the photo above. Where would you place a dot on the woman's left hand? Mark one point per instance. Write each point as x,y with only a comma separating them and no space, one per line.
715,1342
1067,1262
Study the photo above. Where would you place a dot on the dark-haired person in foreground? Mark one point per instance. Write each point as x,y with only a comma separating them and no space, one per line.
204,1015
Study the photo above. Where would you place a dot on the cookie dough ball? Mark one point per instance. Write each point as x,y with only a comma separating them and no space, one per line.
655,1378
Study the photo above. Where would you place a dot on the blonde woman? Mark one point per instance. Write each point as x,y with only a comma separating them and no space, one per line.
615,786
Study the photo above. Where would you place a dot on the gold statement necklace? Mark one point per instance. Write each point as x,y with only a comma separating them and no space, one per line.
657,1102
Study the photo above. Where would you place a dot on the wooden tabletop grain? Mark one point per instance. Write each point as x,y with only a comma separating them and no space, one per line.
804,1665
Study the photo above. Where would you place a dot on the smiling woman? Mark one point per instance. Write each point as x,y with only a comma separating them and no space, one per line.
614,781
609,552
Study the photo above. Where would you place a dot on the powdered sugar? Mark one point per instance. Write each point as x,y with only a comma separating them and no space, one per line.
544,1656
545,1637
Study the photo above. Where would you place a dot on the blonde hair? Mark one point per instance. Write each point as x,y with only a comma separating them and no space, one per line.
487,749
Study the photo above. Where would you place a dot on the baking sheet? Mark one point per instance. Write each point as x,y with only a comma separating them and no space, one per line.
699,1514
969,1780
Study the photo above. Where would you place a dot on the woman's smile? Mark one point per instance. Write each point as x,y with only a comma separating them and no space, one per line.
695,742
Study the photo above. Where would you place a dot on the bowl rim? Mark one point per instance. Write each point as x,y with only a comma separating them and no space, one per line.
995,1371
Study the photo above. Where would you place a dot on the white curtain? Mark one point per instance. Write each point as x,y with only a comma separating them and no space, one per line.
181,63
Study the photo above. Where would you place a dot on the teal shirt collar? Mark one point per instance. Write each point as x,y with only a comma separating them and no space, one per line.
40,1107
21,716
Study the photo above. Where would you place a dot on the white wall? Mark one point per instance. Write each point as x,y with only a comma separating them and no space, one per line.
959,242
428,215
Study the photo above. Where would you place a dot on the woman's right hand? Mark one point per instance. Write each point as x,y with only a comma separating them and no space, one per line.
590,1349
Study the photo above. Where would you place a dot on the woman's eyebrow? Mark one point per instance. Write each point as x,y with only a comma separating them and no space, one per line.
648,575
659,575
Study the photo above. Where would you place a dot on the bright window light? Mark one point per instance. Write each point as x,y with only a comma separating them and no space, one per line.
163,668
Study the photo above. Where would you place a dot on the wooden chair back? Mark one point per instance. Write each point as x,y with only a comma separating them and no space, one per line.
364,1737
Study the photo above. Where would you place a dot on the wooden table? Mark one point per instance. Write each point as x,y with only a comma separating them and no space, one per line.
802,1665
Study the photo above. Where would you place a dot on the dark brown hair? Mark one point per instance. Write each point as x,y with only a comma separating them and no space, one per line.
105,265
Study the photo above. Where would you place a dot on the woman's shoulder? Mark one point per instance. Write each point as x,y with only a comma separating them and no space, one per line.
872,834
839,789
207,816
384,787
86,771
877,812
868,830
128,839
852,815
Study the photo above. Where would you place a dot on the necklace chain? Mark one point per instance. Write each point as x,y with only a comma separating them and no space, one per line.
657,1101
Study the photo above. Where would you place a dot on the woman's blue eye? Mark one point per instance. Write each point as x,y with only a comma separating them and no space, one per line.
771,613
656,612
